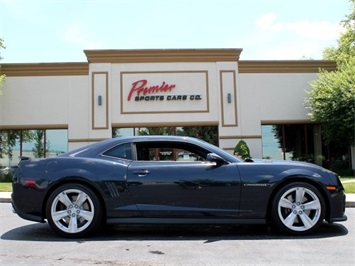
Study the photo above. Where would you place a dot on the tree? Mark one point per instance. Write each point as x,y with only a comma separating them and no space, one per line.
156,131
242,150
206,133
39,149
116,132
2,77
332,98
9,139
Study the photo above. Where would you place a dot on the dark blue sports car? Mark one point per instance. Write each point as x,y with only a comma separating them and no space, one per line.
171,179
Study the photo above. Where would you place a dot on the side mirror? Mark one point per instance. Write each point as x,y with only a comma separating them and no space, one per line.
212,157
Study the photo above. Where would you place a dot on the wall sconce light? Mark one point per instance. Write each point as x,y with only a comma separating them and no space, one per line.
229,97
99,100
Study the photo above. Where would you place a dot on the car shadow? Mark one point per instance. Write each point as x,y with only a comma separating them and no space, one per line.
206,233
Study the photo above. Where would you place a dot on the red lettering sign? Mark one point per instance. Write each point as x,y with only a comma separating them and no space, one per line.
139,87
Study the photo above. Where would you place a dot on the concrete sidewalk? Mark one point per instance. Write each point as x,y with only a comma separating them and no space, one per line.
350,198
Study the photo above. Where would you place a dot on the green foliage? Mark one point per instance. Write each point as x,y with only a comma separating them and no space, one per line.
2,43
156,131
348,183
206,133
342,168
9,138
332,99
242,150
6,177
116,132
346,40
5,186
38,150
332,103
7,142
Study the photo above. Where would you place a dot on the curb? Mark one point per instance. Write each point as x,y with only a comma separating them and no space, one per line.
5,200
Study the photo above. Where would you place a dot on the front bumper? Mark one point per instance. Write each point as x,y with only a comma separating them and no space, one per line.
337,207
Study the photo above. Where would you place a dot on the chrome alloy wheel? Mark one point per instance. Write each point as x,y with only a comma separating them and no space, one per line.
72,211
299,209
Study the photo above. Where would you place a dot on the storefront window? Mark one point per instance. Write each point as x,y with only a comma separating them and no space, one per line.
57,142
31,143
123,132
289,142
35,146
303,143
271,146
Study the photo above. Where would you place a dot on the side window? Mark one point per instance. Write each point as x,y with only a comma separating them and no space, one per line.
123,151
166,151
186,156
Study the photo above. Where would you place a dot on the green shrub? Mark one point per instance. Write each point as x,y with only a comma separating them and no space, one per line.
341,168
6,177
242,150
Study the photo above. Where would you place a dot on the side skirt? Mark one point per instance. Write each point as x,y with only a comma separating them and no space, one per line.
183,221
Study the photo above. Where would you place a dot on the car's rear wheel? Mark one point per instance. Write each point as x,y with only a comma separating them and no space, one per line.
298,208
73,210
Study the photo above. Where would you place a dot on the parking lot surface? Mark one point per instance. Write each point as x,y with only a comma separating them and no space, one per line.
26,243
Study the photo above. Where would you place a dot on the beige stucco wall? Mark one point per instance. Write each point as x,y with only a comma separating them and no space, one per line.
268,98
59,101
46,102
241,95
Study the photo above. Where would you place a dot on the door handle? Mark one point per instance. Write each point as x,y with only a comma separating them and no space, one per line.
141,172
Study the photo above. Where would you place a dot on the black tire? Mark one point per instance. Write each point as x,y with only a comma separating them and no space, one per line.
73,210
298,209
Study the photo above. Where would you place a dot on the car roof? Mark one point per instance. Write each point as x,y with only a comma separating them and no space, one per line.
98,147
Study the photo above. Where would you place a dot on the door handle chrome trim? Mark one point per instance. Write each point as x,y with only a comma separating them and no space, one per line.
141,172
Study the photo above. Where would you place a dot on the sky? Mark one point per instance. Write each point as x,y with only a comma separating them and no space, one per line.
36,31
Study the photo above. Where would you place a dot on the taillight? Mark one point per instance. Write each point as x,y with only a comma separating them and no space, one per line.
30,183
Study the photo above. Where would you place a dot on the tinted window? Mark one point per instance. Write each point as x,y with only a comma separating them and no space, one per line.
123,151
169,151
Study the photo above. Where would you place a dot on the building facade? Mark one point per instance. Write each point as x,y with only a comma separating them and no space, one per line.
61,106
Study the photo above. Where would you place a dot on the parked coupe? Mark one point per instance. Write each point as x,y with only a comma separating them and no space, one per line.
171,179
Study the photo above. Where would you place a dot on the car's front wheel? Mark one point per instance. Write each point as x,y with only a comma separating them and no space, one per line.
298,208
73,210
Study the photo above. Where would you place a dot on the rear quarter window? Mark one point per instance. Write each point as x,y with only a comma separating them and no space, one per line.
123,151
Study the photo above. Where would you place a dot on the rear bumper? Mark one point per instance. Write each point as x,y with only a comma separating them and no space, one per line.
26,204
26,216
